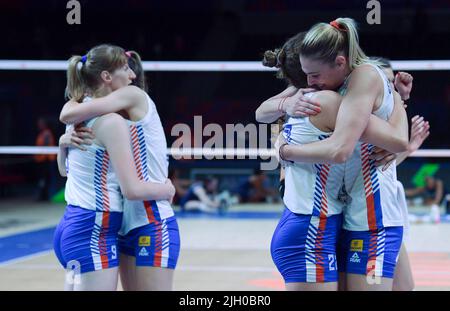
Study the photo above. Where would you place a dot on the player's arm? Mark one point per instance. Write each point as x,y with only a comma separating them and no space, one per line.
76,138
121,99
439,192
391,135
386,134
61,160
352,119
291,101
111,130
414,192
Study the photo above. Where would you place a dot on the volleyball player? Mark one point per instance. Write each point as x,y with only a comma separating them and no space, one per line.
331,57
292,226
149,238
86,238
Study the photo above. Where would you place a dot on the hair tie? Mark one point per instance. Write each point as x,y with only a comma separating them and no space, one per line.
128,54
336,25
84,59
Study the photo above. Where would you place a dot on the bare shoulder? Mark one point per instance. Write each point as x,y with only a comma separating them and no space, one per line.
329,103
109,128
108,121
366,79
131,90
364,72
364,69
327,96
328,100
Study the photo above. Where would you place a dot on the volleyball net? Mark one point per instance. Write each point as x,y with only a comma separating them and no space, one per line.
208,66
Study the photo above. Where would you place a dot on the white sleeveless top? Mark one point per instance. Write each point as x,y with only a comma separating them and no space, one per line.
373,193
311,189
91,181
149,147
401,201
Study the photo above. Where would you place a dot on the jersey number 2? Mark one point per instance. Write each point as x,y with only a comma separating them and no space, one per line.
332,263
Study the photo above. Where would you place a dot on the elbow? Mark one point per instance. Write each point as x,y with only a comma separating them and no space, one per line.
341,154
130,194
67,118
64,119
259,117
403,145
262,117
340,157
340,150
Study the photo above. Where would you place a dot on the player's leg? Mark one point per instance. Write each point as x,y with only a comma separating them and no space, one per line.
156,250
403,277
304,253
371,258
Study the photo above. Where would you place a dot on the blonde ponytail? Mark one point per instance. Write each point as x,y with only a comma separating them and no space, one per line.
324,41
84,72
75,86
356,55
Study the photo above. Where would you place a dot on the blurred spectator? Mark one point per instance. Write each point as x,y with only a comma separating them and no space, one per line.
255,188
181,185
202,196
433,194
45,163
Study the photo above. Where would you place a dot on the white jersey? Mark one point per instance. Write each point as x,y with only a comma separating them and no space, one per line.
311,189
373,192
401,201
91,181
150,156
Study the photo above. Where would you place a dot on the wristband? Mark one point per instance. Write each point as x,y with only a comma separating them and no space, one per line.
280,149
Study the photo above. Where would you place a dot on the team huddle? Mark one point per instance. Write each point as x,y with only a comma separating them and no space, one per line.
344,219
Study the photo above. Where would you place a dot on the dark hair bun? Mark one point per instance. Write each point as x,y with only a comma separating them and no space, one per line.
270,58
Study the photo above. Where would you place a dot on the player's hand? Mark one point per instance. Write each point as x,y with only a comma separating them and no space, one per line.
403,84
300,106
77,137
382,157
420,130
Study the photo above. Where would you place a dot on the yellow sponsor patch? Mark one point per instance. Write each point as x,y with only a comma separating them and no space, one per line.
356,245
144,240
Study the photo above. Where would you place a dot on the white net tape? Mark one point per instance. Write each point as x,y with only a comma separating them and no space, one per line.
209,152
411,65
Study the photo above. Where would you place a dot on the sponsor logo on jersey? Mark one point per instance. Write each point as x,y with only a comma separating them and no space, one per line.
144,240
287,132
143,252
355,258
356,245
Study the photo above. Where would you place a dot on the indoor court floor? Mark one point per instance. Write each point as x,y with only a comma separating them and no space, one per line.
227,252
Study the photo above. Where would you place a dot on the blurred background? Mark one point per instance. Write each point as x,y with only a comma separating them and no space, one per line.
202,30
31,191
